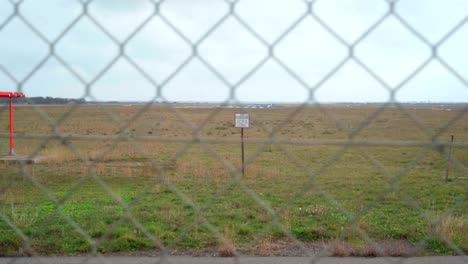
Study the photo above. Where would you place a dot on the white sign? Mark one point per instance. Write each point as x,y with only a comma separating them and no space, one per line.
242,120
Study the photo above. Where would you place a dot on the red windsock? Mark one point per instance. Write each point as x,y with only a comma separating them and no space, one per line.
11,94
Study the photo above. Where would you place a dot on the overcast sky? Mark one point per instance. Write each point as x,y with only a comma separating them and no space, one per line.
303,57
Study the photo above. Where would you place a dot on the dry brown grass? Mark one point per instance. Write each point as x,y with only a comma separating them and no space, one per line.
226,248
163,123
226,251
454,228
310,123
339,249
264,247
395,248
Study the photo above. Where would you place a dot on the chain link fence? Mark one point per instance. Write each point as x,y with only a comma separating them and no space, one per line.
198,148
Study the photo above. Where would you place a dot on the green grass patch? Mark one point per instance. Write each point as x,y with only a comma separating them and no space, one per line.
187,195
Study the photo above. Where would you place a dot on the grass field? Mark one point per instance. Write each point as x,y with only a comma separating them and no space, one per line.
129,178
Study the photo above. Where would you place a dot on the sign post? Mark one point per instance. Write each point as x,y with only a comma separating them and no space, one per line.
449,159
242,120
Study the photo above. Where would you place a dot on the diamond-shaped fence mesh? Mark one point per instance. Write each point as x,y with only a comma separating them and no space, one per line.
161,178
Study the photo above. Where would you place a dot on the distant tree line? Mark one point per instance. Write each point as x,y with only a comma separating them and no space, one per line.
44,100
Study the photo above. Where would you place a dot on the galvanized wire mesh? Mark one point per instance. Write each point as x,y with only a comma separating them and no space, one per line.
269,44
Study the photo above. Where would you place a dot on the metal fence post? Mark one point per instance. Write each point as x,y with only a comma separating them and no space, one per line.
449,159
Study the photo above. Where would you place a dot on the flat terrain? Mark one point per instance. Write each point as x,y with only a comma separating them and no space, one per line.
135,179
245,260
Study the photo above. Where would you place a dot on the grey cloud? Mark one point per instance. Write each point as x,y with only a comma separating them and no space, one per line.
392,52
